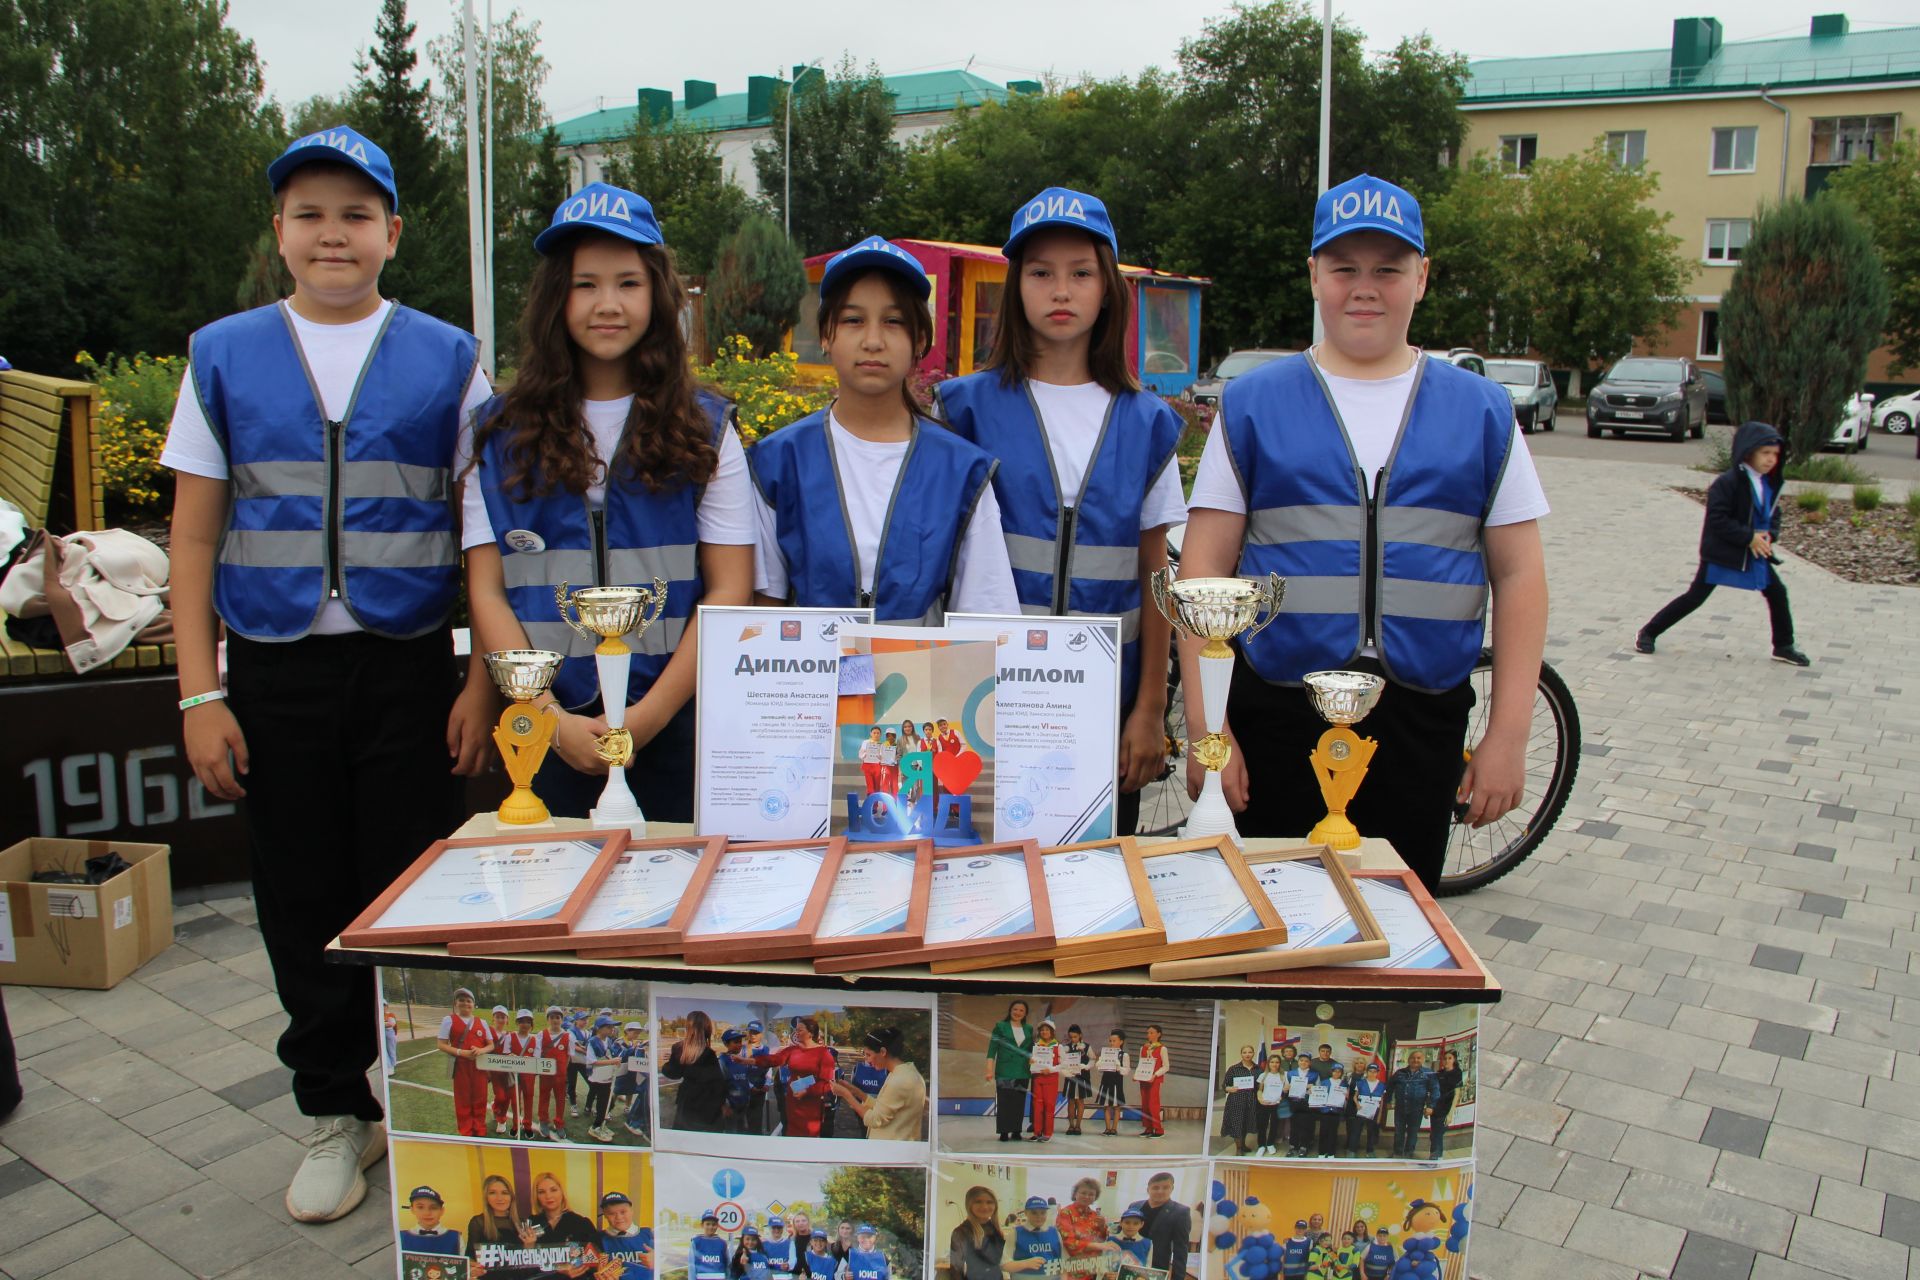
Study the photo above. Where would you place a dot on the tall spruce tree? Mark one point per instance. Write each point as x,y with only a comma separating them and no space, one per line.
756,286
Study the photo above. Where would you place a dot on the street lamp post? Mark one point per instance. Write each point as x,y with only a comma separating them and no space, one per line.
786,204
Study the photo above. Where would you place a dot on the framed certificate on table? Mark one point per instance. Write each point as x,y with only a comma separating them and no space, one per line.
762,902
984,900
1101,906
490,887
640,909
878,897
1209,904
1328,920
1425,949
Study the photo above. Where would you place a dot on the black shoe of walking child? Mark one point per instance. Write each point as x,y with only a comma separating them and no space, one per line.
1643,643
1791,656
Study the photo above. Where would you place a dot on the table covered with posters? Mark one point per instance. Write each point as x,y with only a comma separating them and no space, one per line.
760,1119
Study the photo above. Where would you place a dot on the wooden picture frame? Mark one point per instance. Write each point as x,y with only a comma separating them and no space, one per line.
1469,973
367,929
1269,931
911,934
1149,933
1038,935
738,946
1299,951
645,941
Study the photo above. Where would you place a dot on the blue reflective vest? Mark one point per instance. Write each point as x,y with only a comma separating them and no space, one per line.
638,536
1294,1250
780,1255
1377,1262
1044,1243
442,1241
1071,553
707,1258
1403,568
865,1265
360,509
868,1078
941,482
628,1250
754,1266
1138,1248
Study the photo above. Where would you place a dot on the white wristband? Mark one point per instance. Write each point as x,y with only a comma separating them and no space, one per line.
187,704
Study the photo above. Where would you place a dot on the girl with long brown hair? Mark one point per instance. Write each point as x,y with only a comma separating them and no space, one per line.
868,502
1087,482
700,1101
605,464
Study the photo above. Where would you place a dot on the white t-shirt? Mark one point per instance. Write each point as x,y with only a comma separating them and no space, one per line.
1372,409
1071,417
725,515
335,353
868,473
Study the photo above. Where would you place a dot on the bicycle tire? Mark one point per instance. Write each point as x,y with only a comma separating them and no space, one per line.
1562,719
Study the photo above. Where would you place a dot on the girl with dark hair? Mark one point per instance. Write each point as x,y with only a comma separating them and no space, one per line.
1087,483
869,502
605,464
1075,1065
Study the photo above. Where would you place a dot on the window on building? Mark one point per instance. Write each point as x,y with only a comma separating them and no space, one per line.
1517,151
1727,238
1734,149
1628,148
1709,335
1844,139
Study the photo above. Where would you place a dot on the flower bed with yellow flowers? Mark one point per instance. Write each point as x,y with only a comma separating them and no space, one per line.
769,392
137,395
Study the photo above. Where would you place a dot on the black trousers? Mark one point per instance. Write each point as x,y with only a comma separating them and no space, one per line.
1778,614
349,783
1437,1129
661,777
9,1068
1010,1107
1329,1125
1407,797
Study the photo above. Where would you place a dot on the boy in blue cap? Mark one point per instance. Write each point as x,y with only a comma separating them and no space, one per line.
622,1241
314,441
428,1236
1395,493
707,1252
865,1261
1036,1246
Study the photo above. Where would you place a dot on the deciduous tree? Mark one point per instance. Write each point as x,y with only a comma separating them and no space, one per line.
677,168
844,158
1886,195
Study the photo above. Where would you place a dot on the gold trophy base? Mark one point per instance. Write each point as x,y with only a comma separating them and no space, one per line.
523,809
1340,763
523,735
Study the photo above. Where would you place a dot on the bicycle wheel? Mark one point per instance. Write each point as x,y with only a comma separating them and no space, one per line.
1479,857
1163,802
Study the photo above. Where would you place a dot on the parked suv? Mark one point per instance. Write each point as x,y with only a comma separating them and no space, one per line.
1207,389
1530,384
1649,393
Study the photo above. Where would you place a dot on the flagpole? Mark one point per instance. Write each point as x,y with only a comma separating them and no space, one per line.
1326,128
476,202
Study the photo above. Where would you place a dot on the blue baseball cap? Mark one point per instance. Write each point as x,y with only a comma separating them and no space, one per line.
1035,1202
599,206
340,145
865,1229
755,1025
1061,207
875,252
1367,203
614,1197
710,1216
424,1193
603,1021
1138,1209
731,1034
776,1222
818,1234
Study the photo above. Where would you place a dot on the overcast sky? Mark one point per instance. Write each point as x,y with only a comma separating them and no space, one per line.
600,51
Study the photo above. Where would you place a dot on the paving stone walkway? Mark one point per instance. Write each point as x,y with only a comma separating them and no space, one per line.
1706,1067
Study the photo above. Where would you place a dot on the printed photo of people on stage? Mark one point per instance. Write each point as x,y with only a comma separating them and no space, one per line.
516,1057
739,1066
468,1209
727,1219
915,739
1074,1074
1352,1080
1134,1221
1321,1222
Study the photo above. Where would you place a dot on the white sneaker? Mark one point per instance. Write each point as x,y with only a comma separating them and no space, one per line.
499,1128
329,1183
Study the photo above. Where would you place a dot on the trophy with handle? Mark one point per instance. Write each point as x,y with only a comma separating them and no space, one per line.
1215,610
609,613
1340,759
525,731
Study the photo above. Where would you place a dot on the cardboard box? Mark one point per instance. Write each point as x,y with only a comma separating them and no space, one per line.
81,935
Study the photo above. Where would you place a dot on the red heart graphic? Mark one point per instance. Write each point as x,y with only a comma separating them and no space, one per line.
956,771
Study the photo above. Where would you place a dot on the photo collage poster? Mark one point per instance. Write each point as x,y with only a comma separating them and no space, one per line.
694,1132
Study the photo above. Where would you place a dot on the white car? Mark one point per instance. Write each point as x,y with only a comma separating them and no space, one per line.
1850,436
1896,415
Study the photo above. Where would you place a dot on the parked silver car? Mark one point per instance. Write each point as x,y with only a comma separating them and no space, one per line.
1530,383
1206,390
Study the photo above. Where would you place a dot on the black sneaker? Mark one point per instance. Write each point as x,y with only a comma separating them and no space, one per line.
1643,643
1791,656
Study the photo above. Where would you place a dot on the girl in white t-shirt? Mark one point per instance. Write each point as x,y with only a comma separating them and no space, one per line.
604,464
869,503
1087,481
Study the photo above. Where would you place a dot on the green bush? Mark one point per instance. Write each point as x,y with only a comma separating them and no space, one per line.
756,285
765,390
1866,497
1820,468
137,395
1811,501
1913,504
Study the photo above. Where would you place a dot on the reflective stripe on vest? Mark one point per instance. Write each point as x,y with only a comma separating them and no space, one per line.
361,507
1309,515
1100,524
636,536
941,481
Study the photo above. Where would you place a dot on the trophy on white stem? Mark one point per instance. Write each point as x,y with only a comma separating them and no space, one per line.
610,613
1215,610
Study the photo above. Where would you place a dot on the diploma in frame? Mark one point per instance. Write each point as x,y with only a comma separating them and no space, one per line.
490,887
1209,904
1427,951
641,907
1097,891
1328,921
987,900
878,897
762,902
